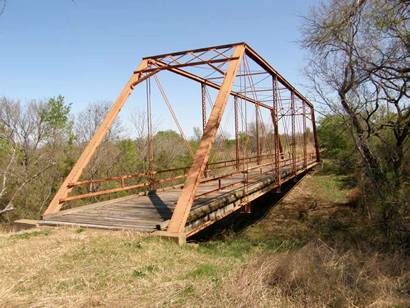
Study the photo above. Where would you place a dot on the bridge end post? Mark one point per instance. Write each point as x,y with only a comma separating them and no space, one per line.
185,200
85,157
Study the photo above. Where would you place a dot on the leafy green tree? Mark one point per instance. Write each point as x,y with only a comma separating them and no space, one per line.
337,142
170,150
56,113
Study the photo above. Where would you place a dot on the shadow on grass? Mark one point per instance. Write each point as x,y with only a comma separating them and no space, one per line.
339,224
238,221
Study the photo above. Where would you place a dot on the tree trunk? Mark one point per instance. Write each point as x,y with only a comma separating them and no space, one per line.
373,168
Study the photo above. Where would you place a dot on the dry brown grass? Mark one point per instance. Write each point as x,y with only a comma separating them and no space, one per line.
68,268
64,267
277,262
318,276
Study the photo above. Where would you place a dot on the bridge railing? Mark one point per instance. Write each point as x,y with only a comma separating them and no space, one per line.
149,181
168,178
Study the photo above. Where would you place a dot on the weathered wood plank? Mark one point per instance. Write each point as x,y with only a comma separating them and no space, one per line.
112,222
142,219
98,226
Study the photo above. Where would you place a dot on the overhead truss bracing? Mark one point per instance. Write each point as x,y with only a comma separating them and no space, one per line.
233,70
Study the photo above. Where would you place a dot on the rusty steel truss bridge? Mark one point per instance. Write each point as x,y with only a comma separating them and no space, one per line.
274,141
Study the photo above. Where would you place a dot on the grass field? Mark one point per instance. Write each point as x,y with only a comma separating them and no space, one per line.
291,257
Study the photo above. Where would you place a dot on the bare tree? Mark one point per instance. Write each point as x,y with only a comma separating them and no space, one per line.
360,68
86,123
88,120
27,133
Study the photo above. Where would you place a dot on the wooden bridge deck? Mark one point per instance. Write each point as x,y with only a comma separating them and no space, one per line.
148,213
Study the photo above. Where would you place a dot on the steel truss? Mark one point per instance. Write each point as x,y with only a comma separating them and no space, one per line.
227,64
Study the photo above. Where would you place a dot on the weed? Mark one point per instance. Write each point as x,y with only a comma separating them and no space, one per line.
188,290
203,270
132,245
151,268
235,248
144,271
28,235
138,274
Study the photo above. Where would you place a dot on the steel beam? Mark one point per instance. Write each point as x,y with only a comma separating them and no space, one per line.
312,112
265,65
235,105
258,146
208,83
150,149
177,53
203,102
274,115
293,119
186,198
167,67
304,135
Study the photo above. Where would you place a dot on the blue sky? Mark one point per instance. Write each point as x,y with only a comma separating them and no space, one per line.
86,49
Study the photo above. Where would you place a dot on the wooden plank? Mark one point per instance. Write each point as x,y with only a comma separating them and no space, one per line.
113,222
150,216
92,205
89,225
129,210
108,216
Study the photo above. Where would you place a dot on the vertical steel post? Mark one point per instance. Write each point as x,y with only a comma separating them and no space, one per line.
203,110
258,146
235,105
150,151
304,134
293,119
315,133
203,97
276,137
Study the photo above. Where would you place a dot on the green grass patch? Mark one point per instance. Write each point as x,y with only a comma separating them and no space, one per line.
138,274
188,290
330,188
229,248
77,284
132,245
28,235
203,270
144,271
